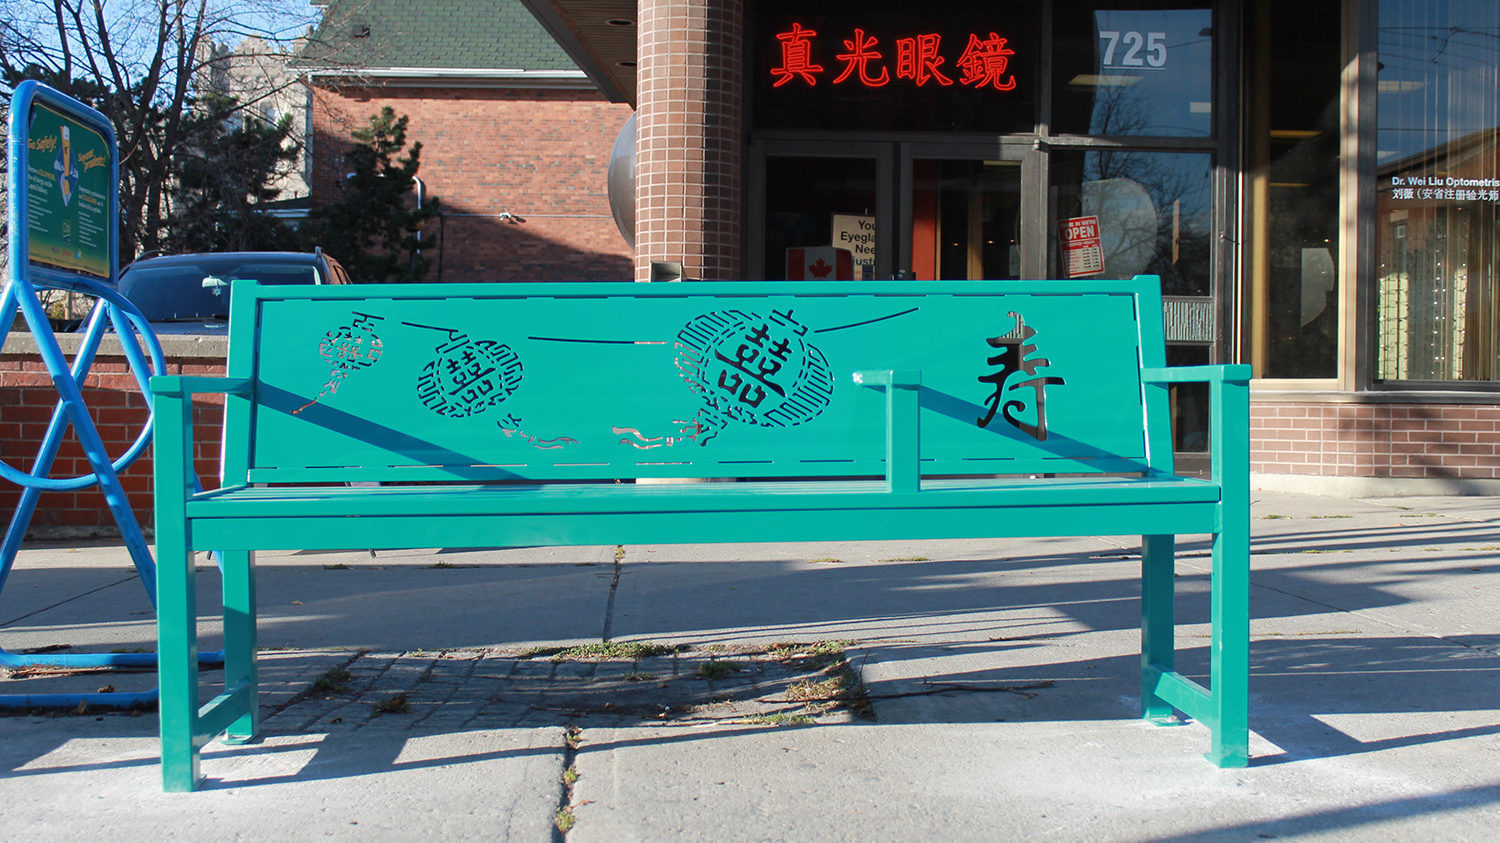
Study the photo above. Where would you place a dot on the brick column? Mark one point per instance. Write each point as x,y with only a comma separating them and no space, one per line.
688,146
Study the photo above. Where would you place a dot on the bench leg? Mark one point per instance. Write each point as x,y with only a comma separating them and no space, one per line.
1229,658
177,658
1158,624
240,642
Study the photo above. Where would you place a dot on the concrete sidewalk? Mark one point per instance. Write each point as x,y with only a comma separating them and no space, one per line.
1002,676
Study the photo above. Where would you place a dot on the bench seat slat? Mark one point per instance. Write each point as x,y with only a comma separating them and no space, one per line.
758,497
409,517
820,520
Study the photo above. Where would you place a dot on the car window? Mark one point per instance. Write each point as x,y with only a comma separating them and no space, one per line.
183,291
271,273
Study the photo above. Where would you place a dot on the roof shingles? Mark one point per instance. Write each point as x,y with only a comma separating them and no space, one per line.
446,34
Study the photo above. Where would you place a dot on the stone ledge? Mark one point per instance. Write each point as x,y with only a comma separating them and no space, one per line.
174,346
1372,487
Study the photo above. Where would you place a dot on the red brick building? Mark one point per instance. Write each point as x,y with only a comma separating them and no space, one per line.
515,139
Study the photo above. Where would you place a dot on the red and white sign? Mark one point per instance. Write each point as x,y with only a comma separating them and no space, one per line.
1082,250
819,263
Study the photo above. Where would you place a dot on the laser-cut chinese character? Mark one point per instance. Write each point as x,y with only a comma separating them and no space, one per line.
467,376
752,369
347,348
1015,358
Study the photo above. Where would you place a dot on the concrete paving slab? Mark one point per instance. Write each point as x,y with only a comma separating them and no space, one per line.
64,780
1003,676
1114,780
88,599
1470,507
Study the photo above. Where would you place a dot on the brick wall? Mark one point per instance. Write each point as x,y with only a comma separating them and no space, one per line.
540,155
688,137
27,398
1428,441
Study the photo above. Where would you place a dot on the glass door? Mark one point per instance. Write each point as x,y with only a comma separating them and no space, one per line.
823,211
881,210
966,219
968,213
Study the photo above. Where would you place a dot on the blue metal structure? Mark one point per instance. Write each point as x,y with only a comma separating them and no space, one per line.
27,275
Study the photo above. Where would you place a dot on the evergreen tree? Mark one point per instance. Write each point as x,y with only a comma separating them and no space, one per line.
372,227
224,178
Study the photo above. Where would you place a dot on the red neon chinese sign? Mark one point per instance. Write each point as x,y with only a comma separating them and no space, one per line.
984,62
861,54
796,57
917,59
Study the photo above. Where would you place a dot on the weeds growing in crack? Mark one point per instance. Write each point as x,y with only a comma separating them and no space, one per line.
335,680
397,704
565,819
572,739
718,669
604,650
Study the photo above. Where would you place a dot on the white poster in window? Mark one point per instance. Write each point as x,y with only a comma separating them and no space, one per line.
857,234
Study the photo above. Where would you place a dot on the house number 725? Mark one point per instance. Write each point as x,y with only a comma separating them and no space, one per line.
1137,49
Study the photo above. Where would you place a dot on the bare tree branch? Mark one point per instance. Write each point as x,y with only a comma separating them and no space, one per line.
147,64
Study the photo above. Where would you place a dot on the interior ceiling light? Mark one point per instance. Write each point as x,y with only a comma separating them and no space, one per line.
1094,80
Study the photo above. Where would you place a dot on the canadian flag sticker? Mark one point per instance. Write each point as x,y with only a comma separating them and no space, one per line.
819,263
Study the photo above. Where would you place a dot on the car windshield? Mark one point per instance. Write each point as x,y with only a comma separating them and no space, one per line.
182,291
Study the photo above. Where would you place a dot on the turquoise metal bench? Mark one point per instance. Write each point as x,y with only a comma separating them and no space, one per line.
898,410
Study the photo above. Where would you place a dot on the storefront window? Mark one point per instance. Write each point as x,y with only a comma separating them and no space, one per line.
1119,213
1438,186
1292,188
1152,211
820,218
1133,68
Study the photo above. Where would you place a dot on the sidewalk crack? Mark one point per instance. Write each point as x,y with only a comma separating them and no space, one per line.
614,588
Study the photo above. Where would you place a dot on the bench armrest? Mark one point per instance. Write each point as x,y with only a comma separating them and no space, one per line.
176,478
1228,425
178,386
903,466
1235,374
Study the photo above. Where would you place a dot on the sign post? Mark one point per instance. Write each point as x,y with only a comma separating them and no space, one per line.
63,217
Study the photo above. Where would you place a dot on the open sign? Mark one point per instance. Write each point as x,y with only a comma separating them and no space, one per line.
1082,249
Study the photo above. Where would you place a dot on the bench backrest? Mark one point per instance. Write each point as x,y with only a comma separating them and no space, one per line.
426,382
